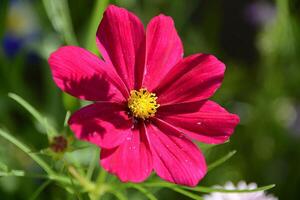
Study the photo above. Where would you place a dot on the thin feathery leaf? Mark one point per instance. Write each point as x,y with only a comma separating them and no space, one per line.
143,190
42,120
119,195
187,193
39,190
68,114
205,189
221,160
210,190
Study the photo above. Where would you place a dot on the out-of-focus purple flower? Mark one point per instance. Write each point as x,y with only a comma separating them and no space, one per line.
11,45
260,13
22,27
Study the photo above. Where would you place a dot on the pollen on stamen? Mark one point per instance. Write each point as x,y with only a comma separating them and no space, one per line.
142,103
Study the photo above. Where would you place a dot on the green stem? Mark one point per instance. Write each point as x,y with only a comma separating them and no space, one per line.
204,189
92,164
95,19
100,187
209,190
59,15
118,195
140,188
85,183
53,177
26,149
39,190
187,193
101,177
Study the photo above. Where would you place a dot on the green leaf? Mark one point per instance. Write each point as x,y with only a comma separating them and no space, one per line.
41,120
221,160
59,15
95,19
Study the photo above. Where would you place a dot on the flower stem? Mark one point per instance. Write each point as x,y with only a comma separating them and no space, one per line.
26,149
92,164
85,183
52,175
96,17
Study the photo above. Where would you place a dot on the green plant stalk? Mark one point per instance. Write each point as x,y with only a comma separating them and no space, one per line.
143,190
85,183
92,164
52,175
100,187
26,149
187,193
67,117
210,190
39,190
117,194
204,189
101,177
96,17
59,15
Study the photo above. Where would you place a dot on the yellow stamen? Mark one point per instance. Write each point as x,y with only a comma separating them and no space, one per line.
142,103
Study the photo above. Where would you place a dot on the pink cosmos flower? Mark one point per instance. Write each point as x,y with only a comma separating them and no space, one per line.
149,101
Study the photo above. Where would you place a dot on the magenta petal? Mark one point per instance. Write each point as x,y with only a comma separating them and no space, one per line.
83,75
175,158
104,124
132,160
163,49
204,121
121,41
194,78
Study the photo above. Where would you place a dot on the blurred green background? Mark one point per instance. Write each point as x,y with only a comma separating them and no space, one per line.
258,40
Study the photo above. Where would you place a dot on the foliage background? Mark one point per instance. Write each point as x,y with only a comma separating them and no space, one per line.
258,40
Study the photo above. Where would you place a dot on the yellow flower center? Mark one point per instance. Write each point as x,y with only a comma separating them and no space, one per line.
142,103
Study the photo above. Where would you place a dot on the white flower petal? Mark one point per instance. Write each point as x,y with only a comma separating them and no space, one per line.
242,185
